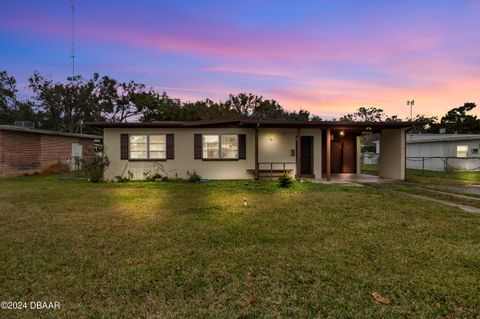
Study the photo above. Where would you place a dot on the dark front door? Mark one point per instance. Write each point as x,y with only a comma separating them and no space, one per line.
337,157
306,155
343,154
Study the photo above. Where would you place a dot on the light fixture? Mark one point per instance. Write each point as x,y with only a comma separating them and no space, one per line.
342,133
271,138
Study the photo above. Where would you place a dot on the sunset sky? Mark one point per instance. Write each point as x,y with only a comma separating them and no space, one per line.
329,57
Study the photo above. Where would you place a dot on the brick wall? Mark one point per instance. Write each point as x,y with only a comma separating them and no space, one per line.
55,147
24,153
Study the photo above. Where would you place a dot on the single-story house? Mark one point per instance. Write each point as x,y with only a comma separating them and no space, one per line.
26,150
248,148
441,152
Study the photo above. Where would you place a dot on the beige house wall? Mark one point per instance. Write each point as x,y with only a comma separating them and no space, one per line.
275,145
392,154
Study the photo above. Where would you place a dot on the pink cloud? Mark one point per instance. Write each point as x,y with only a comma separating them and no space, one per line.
437,79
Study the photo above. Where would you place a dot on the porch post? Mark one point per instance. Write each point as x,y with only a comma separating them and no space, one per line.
392,154
297,154
256,153
358,154
328,156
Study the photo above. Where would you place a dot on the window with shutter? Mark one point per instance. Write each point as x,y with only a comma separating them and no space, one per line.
170,146
242,146
197,148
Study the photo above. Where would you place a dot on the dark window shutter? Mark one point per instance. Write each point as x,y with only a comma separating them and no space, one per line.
170,146
197,147
124,146
242,146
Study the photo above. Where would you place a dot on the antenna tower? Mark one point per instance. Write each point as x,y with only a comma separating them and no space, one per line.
73,40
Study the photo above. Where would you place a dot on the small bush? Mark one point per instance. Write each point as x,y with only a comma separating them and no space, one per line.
95,165
193,177
285,181
155,177
157,174
121,179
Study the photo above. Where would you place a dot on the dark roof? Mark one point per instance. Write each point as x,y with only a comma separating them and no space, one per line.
46,132
429,138
260,123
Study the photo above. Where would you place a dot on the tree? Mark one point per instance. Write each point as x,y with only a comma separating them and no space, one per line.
243,104
364,114
458,121
120,101
49,100
12,109
254,106
8,91
65,106
393,118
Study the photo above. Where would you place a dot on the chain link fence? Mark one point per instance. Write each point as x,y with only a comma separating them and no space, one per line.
369,163
444,163
71,167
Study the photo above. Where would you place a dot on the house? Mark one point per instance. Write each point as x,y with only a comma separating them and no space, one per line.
248,148
441,152
26,150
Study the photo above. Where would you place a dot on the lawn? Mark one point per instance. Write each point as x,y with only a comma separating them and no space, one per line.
427,177
443,178
176,250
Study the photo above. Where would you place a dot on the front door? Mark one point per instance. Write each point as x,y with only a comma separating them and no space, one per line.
343,154
306,155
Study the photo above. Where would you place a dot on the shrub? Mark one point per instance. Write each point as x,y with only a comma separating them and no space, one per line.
285,181
156,177
193,177
121,179
95,165
157,174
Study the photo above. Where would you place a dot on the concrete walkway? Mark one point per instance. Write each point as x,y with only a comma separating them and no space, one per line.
468,189
466,208
452,194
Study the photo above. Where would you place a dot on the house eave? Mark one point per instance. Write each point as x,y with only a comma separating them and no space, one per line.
252,123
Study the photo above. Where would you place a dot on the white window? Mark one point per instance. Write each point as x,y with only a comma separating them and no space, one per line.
462,150
220,146
157,147
229,146
211,144
148,147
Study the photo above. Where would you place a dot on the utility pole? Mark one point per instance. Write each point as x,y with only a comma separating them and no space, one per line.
411,103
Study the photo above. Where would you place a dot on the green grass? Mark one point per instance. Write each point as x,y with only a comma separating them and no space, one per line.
176,250
427,177
443,178
414,189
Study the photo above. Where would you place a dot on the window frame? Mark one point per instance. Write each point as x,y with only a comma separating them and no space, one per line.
219,150
148,158
466,151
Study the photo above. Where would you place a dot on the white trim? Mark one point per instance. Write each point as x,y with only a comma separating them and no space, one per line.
219,147
148,147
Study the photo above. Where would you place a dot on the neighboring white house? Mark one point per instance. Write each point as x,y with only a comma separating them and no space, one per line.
441,152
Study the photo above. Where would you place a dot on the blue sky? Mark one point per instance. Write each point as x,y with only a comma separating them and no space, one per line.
329,57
